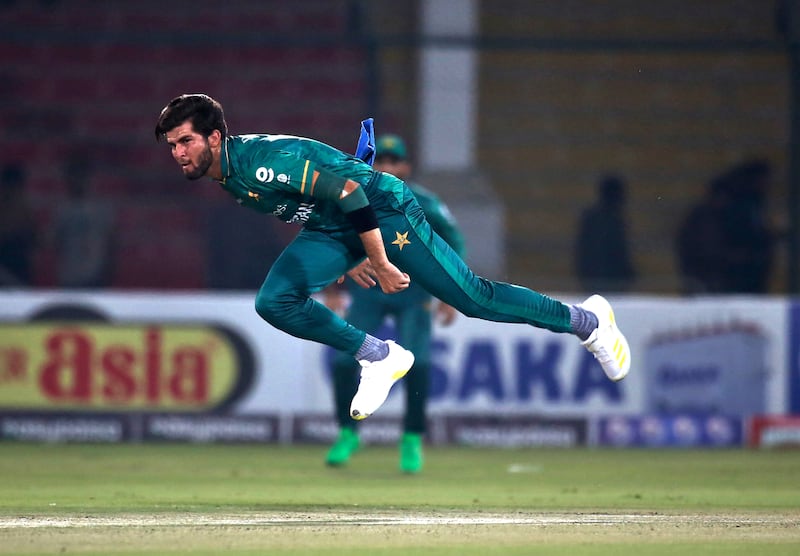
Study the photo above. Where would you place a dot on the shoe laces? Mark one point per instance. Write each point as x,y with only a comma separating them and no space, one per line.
598,350
602,355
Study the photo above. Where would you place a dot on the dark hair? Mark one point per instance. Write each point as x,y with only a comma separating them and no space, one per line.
612,188
204,112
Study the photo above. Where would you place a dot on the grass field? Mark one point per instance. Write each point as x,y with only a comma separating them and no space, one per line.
237,500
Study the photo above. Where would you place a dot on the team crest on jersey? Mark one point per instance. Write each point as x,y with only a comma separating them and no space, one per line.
401,240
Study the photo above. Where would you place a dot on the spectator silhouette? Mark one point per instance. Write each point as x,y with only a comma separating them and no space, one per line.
17,229
726,244
750,237
700,241
83,231
602,255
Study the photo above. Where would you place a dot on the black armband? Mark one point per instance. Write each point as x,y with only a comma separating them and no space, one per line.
363,219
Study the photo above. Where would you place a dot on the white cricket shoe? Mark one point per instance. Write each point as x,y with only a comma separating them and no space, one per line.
607,343
377,378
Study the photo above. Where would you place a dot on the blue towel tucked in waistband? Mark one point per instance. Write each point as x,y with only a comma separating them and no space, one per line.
366,142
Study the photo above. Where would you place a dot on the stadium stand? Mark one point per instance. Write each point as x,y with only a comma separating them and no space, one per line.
93,75
564,95
556,113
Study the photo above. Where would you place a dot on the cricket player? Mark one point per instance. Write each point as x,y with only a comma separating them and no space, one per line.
368,225
411,311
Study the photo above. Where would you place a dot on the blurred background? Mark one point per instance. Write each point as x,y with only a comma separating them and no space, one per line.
644,149
515,111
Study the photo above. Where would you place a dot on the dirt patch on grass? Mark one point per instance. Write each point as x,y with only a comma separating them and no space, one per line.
333,519
456,533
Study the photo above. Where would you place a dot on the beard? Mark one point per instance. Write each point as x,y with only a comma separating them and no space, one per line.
202,166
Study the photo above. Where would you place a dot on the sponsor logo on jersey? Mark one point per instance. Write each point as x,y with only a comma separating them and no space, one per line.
265,175
302,214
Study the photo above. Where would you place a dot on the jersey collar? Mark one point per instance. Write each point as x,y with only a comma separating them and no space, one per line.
224,163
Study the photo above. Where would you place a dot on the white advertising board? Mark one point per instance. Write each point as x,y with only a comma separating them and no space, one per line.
686,352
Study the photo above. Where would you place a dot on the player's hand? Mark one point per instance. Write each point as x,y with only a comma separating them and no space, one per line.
446,314
362,274
391,279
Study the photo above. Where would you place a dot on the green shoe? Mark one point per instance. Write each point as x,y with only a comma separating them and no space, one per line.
411,453
344,447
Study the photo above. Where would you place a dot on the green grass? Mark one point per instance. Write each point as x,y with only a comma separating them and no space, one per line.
34,478
212,480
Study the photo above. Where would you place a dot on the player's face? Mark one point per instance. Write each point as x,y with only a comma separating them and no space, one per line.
190,150
392,165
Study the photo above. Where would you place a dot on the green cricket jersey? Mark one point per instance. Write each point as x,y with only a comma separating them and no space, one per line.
273,174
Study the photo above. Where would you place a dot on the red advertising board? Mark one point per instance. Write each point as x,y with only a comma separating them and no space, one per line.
774,431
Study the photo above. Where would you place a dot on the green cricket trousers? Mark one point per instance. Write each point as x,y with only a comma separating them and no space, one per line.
315,259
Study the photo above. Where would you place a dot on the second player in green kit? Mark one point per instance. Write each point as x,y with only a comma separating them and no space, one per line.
412,311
